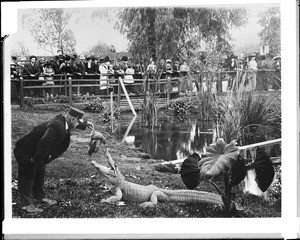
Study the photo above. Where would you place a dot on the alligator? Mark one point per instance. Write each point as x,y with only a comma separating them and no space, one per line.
146,196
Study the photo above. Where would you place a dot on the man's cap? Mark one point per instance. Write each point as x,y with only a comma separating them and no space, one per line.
106,59
75,112
75,55
168,60
276,57
23,59
56,57
82,57
88,58
252,55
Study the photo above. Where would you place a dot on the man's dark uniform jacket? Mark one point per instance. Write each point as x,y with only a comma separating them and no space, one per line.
44,143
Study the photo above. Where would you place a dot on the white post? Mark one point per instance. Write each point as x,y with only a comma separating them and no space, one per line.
127,96
112,111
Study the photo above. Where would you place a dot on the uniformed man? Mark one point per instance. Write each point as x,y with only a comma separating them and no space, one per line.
44,143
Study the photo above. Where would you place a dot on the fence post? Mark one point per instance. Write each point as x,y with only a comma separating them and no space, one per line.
112,110
169,85
70,90
21,92
119,93
65,83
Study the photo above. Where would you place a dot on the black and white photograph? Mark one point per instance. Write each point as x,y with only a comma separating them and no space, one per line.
150,121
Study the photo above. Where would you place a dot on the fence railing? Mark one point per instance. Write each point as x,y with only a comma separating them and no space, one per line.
68,84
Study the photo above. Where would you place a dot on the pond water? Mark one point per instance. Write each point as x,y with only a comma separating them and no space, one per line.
173,140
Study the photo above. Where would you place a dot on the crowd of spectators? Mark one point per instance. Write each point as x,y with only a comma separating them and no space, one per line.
80,67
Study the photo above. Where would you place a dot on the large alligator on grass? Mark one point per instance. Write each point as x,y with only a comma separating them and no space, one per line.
147,196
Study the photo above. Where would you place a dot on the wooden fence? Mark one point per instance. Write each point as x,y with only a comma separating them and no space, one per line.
65,84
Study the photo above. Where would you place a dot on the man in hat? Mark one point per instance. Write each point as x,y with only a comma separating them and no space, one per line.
252,73
232,67
32,69
38,147
104,75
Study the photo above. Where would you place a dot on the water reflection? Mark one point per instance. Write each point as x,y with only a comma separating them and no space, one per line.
171,141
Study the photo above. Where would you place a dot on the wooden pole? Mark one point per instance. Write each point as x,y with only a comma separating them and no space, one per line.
112,111
128,128
242,148
70,91
119,93
21,92
127,96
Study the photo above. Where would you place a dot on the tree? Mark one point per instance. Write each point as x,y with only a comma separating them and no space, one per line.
177,32
48,28
270,34
99,49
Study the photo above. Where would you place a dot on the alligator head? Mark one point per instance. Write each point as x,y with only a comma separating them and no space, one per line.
112,176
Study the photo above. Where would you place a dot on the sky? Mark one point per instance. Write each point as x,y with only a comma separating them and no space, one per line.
88,32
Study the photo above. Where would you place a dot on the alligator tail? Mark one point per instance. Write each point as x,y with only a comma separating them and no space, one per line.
193,196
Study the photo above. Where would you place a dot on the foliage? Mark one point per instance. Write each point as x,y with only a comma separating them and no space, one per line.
106,114
48,28
74,183
223,160
95,105
249,119
270,34
177,32
150,104
204,105
219,158
179,109
100,49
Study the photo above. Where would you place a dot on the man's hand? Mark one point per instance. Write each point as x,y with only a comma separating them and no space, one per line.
98,136
90,125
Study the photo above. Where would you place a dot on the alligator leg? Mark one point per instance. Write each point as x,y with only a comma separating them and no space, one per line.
117,197
156,195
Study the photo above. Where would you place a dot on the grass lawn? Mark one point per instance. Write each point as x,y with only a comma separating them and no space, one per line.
74,183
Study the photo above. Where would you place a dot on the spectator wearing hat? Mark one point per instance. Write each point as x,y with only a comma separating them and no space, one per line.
176,69
32,70
184,71
252,73
38,147
48,77
95,64
262,76
128,78
232,72
90,73
169,72
151,72
139,70
277,74
104,76
161,73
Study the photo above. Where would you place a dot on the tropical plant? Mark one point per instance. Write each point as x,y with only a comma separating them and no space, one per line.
224,160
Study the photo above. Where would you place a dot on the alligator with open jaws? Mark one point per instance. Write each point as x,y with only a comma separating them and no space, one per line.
147,196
